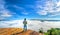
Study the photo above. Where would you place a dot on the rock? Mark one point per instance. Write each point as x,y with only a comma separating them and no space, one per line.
16,31
29,32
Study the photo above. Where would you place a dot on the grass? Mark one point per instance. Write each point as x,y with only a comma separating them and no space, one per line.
9,31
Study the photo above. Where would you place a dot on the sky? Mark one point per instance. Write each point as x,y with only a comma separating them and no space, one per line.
12,13
30,9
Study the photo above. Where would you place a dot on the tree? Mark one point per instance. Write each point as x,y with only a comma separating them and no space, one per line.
41,30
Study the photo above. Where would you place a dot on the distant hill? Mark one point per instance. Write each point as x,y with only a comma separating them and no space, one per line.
44,20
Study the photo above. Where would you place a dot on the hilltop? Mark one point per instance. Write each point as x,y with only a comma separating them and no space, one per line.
16,31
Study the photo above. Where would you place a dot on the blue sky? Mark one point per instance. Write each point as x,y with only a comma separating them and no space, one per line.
30,9
16,10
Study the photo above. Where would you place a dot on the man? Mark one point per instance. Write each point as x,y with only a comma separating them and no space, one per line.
25,24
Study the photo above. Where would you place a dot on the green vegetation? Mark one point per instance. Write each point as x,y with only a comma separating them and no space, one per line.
53,31
41,30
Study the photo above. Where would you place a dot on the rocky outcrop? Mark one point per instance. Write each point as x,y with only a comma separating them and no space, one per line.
16,31
28,32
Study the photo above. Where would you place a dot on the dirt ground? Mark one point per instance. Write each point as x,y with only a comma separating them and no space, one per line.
17,31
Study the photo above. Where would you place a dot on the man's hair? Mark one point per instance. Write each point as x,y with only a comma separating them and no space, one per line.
24,18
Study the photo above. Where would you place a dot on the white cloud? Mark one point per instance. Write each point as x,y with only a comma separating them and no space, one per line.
21,8
18,7
25,13
3,11
58,3
49,7
42,13
12,23
33,25
54,14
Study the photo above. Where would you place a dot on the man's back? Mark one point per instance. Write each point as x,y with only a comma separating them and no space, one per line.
25,24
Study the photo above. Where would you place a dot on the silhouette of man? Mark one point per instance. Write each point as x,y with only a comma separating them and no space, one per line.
25,24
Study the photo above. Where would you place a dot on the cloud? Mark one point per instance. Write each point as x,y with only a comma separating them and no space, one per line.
11,23
49,7
18,7
25,13
58,3
21,8
4,13
42,13
31,24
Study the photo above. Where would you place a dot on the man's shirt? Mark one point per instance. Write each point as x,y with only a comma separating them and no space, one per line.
24,22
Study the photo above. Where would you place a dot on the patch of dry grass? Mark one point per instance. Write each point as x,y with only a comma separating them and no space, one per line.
9,31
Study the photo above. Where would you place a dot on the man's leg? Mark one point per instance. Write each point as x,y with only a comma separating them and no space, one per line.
25,27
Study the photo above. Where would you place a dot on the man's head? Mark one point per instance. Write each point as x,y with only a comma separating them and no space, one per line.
24,18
